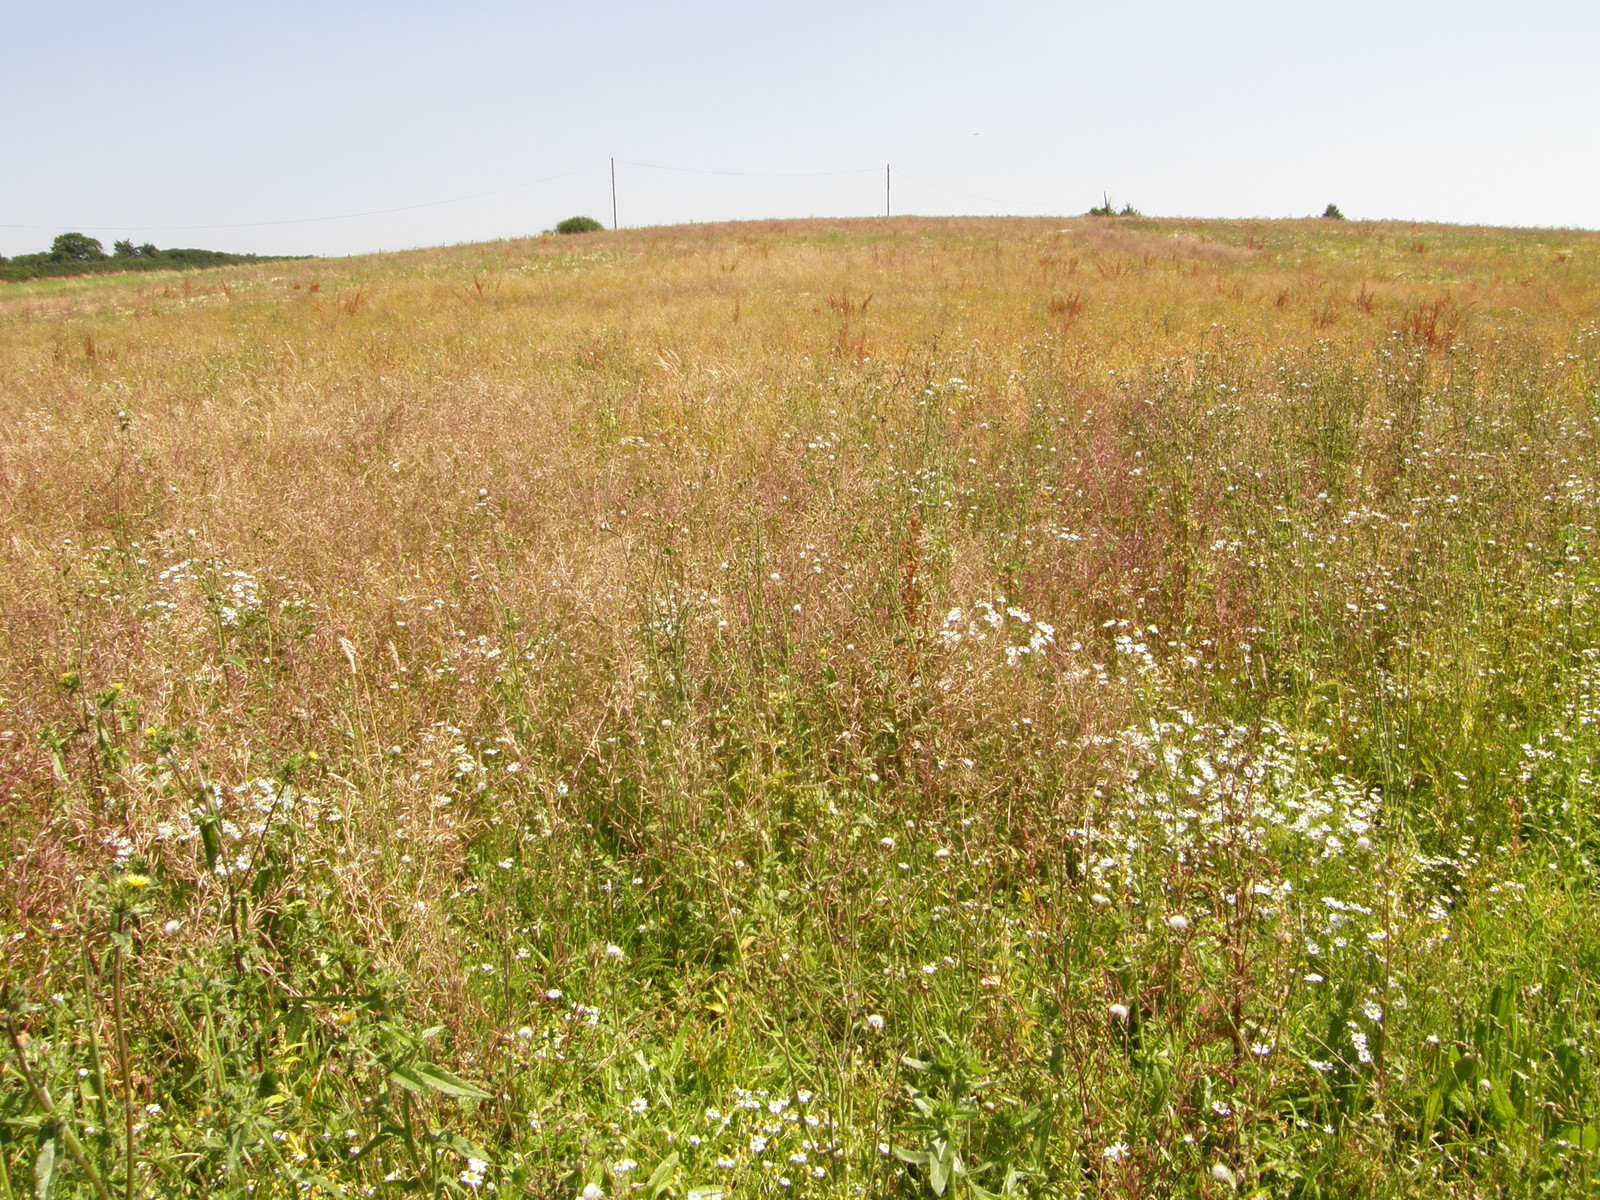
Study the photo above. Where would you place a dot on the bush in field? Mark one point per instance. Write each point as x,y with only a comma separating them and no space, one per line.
579,225
1332,213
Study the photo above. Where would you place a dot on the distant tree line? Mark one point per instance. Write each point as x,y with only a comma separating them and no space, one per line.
79,254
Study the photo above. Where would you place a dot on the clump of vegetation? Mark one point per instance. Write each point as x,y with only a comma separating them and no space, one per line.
1105,209
522,731
1332,213
78,254
579,225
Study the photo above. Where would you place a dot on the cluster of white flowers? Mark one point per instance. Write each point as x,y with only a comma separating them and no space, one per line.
1184,791
987,622
238,597
232,596
768,1132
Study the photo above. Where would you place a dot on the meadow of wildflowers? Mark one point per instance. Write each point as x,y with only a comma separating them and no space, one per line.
839,709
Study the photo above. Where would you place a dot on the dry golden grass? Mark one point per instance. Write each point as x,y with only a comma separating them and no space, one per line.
672,520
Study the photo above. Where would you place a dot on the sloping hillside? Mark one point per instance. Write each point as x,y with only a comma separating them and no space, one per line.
1081,707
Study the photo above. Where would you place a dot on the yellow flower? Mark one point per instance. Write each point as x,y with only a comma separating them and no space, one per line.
311,755
136,882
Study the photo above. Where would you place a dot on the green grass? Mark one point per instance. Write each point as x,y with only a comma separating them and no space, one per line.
840,709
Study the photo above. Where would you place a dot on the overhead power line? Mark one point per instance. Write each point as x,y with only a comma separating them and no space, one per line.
380,212
939,187
375,212
750,174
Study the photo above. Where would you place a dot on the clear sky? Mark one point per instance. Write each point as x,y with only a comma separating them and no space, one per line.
239,125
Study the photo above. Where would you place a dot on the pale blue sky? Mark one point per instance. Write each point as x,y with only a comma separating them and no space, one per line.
155,120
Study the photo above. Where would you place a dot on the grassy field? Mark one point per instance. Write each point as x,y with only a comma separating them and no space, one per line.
1092,707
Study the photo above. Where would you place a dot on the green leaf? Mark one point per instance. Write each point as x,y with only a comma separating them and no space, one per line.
459,1144
425,1077
1585,1138
314,1180
1569,1061
1433,1108
1500,1101
44,1167
941,1165
410,1080
441,1080
917,1158
661,1176
383,1135
1503,1006
1040,1122
212,841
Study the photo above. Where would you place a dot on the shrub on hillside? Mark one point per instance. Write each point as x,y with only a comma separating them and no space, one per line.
1332,213
579,225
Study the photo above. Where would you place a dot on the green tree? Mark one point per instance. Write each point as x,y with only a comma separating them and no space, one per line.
122,249
77,247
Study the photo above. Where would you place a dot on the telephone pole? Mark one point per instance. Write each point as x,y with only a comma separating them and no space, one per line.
613,195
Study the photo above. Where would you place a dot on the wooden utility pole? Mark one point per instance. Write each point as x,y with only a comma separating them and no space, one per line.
613,195
886,189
